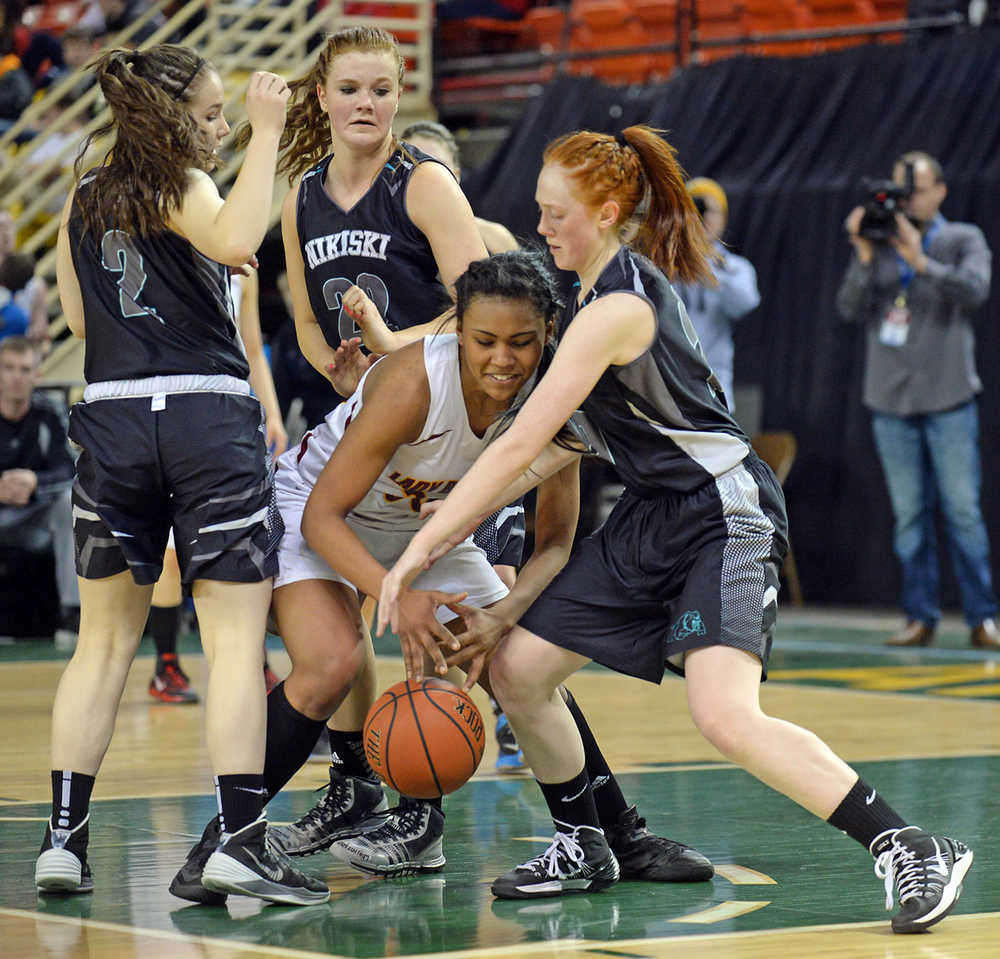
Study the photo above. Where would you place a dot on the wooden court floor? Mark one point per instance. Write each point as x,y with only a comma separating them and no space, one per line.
923,726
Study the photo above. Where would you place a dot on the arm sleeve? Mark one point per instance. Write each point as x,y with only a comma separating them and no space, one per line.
855,293
967,283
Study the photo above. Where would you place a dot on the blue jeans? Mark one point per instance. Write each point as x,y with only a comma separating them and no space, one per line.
927,459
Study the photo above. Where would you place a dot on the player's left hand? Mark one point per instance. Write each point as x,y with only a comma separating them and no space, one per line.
348,366
485,629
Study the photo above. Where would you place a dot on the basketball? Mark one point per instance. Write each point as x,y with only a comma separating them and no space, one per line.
424,738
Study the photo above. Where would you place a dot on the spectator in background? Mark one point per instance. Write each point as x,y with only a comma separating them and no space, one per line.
30,295
36,469
916,293
106,17
15,85
437,141
13,319
714,309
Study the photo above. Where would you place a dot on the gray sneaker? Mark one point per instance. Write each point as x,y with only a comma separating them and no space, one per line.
407,843
350,807
246,864
577,860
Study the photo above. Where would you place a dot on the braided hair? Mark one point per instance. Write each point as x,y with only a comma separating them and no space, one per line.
639,171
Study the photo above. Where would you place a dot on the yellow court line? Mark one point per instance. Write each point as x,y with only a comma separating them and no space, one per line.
264,950
722,911
743,876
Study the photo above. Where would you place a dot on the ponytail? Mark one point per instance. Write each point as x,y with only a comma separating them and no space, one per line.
638,170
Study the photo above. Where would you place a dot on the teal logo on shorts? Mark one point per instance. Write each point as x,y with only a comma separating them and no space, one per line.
690,624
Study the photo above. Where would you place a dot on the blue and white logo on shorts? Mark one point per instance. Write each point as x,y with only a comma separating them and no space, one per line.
690,624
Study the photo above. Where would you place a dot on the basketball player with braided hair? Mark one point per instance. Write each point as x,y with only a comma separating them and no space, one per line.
683,575
144,252
351,498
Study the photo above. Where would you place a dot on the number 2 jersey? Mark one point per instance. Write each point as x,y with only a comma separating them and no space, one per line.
374,245
153,305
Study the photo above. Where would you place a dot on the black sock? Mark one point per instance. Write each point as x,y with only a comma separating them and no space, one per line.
864,816
409,802
70,798
240,798
290,739
347,755
164,624
572,802
607,793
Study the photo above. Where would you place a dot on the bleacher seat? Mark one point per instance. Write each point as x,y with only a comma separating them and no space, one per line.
716,20
605,24
776,16
658,19
841,13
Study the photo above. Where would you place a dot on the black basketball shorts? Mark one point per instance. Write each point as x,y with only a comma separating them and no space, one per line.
199,465
669,574
501,535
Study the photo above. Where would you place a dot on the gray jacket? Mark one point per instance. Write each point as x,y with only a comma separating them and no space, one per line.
935,368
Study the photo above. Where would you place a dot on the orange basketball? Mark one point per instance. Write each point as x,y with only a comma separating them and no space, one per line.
424,738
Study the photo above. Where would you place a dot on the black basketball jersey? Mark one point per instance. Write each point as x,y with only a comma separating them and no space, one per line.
375,245
663,415
153,306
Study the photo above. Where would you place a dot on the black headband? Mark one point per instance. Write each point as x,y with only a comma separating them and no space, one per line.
197,69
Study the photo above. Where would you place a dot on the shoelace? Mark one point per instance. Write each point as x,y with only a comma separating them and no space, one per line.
174,675
402,820
905,868
333,800
564,850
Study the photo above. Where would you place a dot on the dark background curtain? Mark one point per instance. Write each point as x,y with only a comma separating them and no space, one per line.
790,139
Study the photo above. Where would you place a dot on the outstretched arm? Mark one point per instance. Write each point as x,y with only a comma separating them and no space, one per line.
613,330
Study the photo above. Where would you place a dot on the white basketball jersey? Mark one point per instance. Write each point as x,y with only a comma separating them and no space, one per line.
426,469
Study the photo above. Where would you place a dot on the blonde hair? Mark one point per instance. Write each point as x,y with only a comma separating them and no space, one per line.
306,138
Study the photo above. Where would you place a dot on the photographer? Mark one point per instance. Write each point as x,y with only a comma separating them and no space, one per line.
915,281
714,309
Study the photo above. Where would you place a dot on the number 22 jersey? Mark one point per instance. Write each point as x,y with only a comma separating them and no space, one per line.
374,245
153,305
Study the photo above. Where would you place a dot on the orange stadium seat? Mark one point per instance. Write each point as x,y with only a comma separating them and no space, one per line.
602,25
659,23
776,16
888,11
716,20
545,29
841,13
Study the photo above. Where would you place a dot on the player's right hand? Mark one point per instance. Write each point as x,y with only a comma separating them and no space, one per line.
267,99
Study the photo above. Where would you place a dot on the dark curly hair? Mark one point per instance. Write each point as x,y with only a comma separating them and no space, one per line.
515,275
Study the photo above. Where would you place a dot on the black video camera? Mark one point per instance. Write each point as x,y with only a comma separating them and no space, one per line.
883,201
